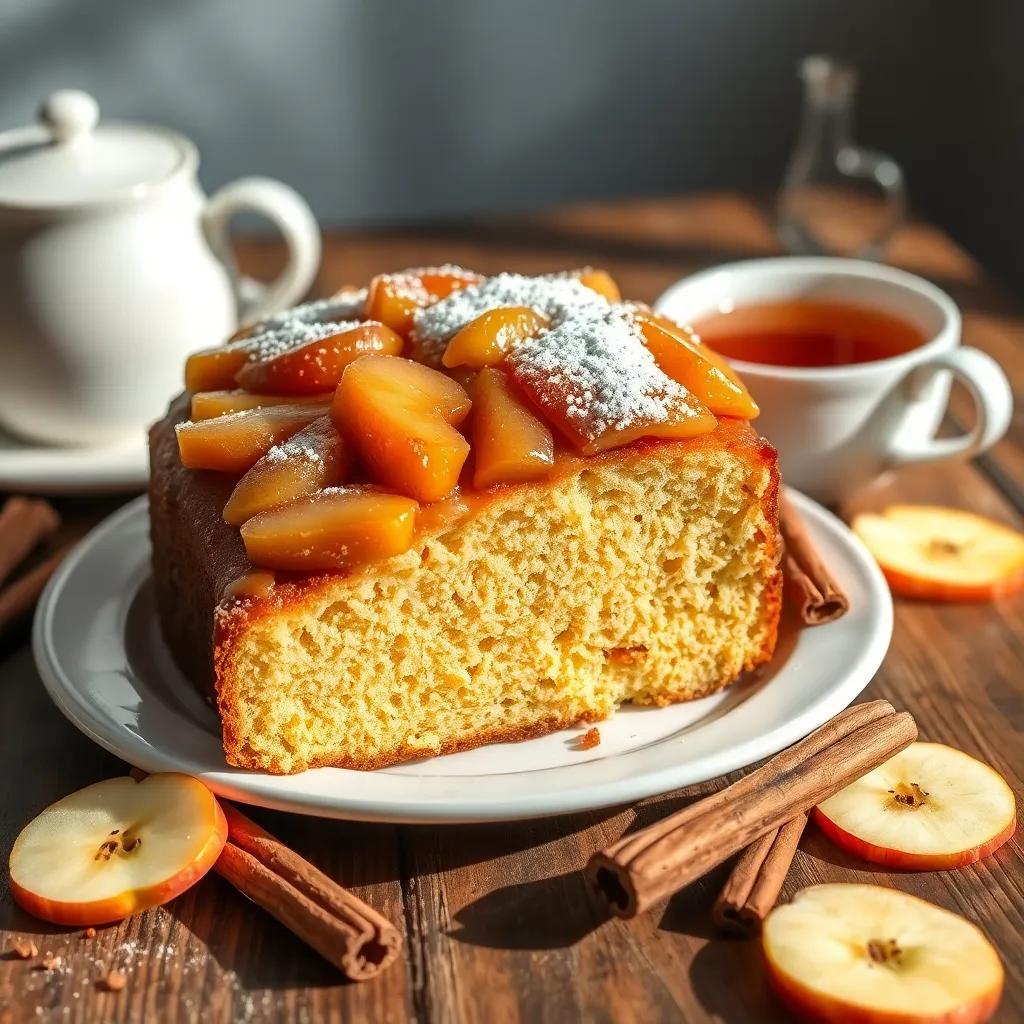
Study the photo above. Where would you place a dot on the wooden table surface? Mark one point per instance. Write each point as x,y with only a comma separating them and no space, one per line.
497,922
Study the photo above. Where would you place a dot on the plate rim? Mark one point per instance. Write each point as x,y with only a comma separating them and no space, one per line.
263,790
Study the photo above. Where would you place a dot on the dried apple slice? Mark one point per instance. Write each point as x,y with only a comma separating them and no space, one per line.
944,554
314,458
317,365
700,370
207,404
486,340
115,848
596,383
402,416
235,442
929,808
864,953
509,443
331,530
394,298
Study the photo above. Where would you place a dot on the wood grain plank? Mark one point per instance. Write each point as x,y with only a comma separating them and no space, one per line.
498,923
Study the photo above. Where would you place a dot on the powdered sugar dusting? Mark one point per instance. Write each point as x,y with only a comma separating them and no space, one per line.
560,298
292,334
599,367
306,445
348,304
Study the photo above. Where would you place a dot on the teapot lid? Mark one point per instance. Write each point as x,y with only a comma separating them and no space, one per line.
68,159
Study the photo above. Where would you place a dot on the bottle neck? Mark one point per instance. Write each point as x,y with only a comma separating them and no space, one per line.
827,121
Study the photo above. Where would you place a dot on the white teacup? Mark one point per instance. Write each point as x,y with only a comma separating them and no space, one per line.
838,427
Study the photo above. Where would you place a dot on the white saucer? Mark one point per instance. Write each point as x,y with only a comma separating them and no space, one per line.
98,648
41,469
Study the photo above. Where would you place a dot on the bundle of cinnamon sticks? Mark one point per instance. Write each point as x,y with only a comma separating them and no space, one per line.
638,870
766,811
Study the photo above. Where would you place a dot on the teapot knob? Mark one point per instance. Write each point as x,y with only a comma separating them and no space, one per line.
69,113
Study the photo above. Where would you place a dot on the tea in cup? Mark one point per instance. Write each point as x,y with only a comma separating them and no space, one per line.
851,363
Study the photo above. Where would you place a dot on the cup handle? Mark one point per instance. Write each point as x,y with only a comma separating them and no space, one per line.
987,385
291,215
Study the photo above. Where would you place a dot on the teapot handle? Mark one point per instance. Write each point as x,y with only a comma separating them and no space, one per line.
289,212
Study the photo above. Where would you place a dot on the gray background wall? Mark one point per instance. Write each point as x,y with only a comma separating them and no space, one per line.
389,110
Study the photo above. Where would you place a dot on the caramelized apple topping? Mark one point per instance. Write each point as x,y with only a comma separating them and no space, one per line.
401,417
314,458
348,303
207,404
702,371
311,402
509,443
235,442
600,281
214,369
486,340
331,530
394,298
318,365
597,384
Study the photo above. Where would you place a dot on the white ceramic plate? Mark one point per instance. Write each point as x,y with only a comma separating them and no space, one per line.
47,470
98,647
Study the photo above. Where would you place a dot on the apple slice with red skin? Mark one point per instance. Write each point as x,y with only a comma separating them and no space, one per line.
929,808
943,554
863,954
116,848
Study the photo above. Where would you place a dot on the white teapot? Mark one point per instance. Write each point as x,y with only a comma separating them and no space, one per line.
114,265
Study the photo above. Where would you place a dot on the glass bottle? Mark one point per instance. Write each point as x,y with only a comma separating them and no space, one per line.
836,198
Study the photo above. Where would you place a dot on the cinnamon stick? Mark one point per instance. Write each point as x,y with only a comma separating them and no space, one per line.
24,522
756,880
333,921
638,870
18,599
818,594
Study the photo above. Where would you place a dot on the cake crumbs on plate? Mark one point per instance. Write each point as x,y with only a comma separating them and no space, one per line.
590,739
